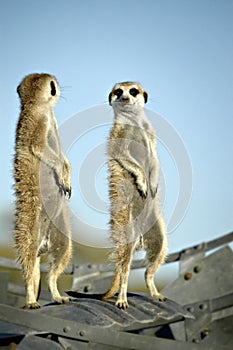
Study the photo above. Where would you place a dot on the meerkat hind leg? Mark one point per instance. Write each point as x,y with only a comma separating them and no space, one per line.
52,281
59,255
122,302
149,277
32,287
57,266
155,249
123,260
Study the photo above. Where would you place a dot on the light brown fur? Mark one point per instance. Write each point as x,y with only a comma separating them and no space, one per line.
42,180
135,219
133,181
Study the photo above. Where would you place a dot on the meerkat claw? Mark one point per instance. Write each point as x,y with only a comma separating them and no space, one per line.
142,188
122,304
160,297
68,192
142,193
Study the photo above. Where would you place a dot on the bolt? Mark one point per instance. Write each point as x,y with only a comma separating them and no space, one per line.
197,268
203,306
204,333
82,333
66,329
195,340
190,309
86,288
188,276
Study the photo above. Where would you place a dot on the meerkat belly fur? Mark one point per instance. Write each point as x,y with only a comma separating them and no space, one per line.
135,219
42,180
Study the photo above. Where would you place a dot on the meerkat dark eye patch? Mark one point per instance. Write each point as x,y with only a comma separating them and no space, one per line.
118,92
53,88
134,92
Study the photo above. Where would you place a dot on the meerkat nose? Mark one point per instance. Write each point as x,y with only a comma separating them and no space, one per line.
124,99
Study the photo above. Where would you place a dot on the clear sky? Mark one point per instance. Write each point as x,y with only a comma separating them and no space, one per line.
182,53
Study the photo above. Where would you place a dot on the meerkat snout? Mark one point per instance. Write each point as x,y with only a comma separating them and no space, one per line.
124,99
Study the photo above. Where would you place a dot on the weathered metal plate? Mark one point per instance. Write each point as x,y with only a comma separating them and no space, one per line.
9,329
33,342
206,279
143,311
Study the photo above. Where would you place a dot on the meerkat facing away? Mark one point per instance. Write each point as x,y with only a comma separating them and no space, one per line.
135,220
42,180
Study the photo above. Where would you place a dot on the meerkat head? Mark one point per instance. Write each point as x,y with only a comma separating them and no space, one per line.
39,89
127,94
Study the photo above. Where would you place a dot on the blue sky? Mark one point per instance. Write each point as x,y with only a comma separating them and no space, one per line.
180,51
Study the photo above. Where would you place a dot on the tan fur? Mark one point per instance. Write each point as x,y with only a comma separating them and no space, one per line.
42,179
133,183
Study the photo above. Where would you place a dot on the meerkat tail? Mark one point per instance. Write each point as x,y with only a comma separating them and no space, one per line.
75,294
114,287
101,296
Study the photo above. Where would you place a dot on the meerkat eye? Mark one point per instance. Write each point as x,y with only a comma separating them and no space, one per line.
134,92
53,88
118,92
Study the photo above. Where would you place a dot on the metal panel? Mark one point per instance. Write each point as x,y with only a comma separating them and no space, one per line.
33,342
200,317
207,279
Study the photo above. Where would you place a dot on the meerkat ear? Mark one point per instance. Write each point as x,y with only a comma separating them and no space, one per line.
18,90
110,98
145,95
53,88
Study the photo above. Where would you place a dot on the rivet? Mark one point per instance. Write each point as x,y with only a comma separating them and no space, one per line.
195,340
86,288
66,329
197,268
82,333
203,306
190,309
188,276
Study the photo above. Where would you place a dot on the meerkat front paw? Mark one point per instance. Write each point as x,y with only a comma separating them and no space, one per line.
142,186
64,187
66,177
153,181
153,190
67,186
67,191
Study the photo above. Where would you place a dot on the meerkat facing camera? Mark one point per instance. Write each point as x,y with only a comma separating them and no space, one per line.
42,180
135,219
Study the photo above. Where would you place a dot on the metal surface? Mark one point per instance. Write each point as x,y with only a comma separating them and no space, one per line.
205,278
197,315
